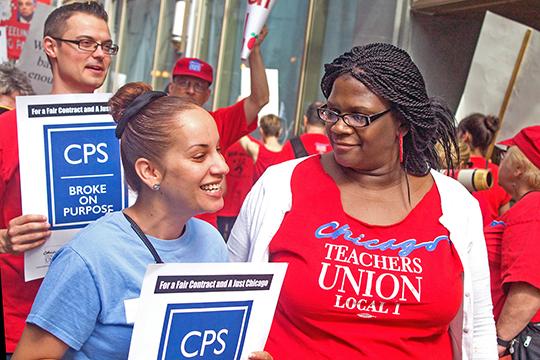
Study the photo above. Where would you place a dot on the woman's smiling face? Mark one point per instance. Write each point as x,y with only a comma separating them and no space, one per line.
368,148
194,169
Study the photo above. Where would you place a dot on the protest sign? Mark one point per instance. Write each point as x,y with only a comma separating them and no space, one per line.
17,19
70,167
272,76
504,74
205,311
257,12
33,60
3,44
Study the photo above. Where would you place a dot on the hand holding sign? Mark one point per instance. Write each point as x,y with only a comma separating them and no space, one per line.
24,233
257,12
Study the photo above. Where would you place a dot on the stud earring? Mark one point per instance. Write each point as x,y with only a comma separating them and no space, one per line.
156,187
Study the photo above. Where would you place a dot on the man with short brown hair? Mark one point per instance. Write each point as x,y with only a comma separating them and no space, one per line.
78,44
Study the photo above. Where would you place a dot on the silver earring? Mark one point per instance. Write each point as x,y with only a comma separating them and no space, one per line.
156,187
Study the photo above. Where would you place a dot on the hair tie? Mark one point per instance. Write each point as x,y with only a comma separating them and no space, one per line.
134,107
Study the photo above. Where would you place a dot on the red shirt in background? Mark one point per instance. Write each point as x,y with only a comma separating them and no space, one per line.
494,234
265,159
239,179
314,144
492,199
232,125
17,294
516,239
347,294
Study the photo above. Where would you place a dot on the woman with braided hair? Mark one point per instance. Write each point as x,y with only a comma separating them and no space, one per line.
478,132
386,256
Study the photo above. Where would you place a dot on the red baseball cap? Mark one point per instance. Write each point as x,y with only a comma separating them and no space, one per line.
528,141
194,67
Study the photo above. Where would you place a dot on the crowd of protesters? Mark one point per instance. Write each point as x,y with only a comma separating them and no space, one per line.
356,205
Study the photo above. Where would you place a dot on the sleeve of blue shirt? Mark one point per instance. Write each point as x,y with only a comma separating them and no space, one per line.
67,304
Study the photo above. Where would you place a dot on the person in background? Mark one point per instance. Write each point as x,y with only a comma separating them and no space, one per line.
513,242
25,10
13,83
79,47
312,141
192,78
239,181
460,158
267,153
478,131
386,256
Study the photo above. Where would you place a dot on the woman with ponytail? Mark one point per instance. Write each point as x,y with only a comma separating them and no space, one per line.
478,131
386,255
171,158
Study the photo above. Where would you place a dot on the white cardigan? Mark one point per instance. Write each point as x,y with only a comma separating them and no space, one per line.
472,330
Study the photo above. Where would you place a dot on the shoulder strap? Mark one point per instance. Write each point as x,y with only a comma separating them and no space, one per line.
298,147
144,239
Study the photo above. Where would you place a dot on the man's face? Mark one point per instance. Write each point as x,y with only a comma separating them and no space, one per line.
76,70
191,88
26,8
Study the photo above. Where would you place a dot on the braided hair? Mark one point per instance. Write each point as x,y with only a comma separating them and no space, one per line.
390,73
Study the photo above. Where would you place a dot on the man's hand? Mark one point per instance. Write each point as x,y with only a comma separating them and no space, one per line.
24,233
260,39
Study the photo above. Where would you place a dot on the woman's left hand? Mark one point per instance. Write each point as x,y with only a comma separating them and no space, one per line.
260,355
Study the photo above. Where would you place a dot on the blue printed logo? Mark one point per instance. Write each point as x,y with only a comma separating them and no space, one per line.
334,230
195,65
495,223
204,330
84,173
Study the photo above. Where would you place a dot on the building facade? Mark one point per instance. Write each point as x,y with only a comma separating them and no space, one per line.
303,35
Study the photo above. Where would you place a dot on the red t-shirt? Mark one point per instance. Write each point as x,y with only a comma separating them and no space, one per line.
265,159
17,295
239,179
494,233
492,199
314,144
232,125
516,237
360,291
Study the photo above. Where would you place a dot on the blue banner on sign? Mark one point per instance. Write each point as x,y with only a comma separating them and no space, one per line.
204,330
84,173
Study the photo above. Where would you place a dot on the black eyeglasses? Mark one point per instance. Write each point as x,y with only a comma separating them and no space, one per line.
355,120
92,45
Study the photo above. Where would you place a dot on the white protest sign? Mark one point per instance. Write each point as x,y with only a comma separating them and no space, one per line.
272,76
70,167
257,12
524,108
3,44
494,60
217,310
33,60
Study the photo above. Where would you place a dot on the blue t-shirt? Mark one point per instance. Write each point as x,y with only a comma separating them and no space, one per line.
81,300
